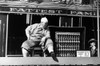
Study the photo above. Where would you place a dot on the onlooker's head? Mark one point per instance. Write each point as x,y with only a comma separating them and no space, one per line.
92,41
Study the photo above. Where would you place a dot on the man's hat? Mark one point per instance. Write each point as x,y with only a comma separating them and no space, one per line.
92,40
44,20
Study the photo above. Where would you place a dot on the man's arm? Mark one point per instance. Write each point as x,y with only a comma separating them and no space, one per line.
30,30
46,36
27,31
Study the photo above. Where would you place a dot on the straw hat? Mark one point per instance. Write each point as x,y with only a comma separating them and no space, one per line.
92,40
44,20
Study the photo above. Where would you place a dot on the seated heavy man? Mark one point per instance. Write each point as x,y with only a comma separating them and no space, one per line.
37,34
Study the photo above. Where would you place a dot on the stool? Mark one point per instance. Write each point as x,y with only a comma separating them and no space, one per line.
38,51
41,48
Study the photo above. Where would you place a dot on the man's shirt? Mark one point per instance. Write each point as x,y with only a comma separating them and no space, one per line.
36,32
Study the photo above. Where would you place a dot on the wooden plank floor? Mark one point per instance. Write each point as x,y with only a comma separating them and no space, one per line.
48,61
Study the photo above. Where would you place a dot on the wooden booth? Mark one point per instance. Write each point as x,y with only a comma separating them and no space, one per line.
72,25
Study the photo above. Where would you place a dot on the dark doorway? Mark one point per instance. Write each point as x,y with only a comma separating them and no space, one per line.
91,29
16,33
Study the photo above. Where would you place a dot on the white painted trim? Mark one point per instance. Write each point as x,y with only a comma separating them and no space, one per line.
6,35
59,21
98,27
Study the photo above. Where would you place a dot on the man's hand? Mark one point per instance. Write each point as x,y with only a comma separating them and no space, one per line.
42,41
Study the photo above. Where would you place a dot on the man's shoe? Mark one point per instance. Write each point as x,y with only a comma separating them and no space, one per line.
54,57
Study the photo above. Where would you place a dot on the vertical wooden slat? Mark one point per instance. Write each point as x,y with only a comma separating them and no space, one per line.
6,35
98,26
80,21
0,39
59,21
71,21
27,18
3,18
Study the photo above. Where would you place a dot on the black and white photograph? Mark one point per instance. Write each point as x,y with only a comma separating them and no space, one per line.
49,33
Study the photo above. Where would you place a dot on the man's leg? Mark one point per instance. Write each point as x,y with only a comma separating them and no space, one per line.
49,45
27,47
25,53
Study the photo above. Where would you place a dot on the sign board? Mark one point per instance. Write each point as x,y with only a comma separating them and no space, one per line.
83,53
47,11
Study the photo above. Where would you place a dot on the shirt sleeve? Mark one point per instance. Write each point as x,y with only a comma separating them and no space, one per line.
47,34
29,30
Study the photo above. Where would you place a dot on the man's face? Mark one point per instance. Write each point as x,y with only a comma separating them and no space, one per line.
44,24
93,44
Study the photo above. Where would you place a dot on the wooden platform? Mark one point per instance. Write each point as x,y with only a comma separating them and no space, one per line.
48,61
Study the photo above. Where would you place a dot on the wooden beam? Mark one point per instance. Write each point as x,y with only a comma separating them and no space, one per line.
98,27
48,61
